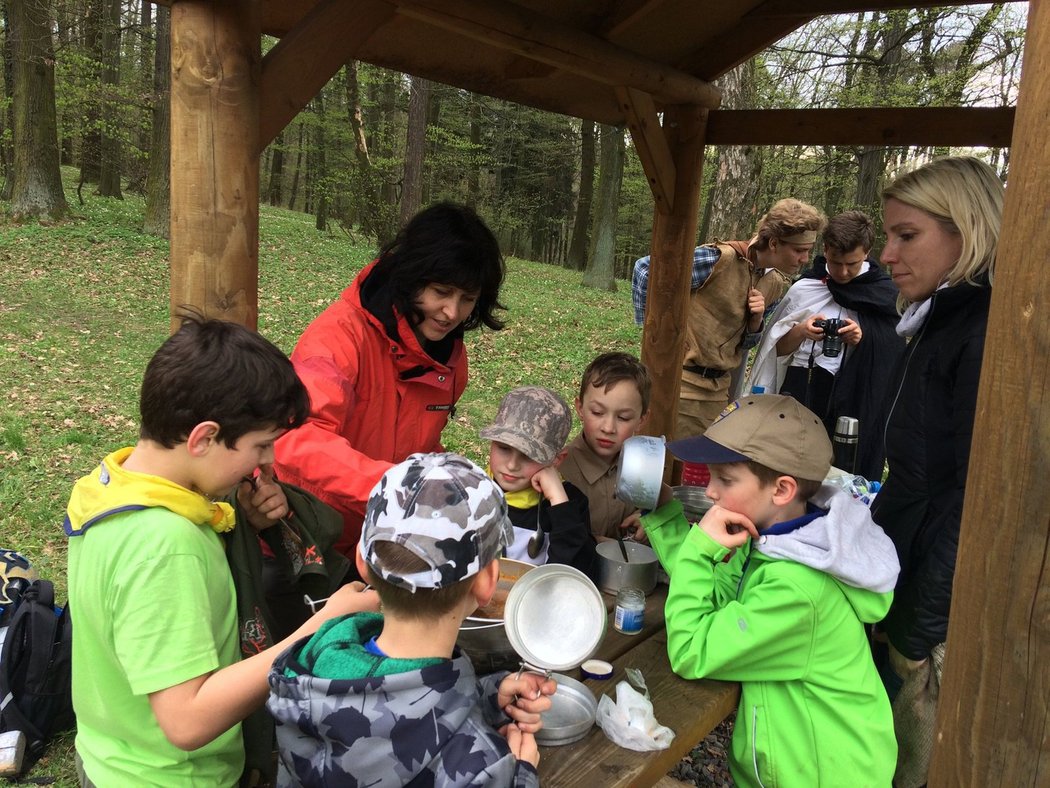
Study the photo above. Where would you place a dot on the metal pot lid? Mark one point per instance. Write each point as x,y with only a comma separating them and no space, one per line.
641,471
555,617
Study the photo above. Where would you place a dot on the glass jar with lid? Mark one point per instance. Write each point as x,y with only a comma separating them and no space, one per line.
630,611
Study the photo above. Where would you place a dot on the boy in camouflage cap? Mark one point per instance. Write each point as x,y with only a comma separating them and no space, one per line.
385,698
528,443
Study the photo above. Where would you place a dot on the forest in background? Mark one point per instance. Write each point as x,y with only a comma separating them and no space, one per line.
85,84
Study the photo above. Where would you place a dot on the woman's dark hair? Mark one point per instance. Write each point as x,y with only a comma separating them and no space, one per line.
445,244
213,370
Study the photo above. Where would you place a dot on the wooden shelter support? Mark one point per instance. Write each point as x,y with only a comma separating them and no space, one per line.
993,724
671,256
215,68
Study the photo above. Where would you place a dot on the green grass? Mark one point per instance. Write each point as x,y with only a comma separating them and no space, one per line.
84,304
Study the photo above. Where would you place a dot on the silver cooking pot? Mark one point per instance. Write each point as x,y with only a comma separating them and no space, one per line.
485,639
641,471
639,572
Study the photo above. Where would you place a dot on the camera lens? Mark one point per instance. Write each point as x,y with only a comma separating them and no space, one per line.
832,345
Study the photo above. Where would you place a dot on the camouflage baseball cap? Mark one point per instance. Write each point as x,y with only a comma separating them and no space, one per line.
442,508
534,420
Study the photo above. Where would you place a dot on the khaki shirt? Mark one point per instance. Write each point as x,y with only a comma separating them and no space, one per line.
597,479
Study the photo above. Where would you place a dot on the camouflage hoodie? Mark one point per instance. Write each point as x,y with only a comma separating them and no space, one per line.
433,726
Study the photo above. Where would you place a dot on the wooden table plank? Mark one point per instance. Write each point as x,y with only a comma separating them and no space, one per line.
616,643
691,708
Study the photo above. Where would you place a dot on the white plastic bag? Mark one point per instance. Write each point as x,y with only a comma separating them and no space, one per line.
630,722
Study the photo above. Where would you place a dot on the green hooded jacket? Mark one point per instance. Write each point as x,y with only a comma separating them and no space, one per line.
785,617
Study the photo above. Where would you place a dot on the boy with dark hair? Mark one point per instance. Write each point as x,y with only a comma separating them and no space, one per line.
773,589
551,517
613,404
845,285
385,699
157,686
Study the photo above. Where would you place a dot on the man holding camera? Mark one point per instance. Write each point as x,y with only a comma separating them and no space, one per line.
832,342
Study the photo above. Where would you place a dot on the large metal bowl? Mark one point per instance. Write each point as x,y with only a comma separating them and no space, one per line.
485,639
571,715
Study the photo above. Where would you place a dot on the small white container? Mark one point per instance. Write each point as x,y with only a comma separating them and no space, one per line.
630,611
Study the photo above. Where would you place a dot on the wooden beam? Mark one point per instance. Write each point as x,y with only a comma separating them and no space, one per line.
541,38
625,15
215,64
740,43
670,266
303,61
884,126
993,719
651,144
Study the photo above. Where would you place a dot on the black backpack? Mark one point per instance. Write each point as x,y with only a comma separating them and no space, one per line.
36,670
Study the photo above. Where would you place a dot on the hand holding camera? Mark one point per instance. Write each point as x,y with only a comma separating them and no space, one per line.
832,343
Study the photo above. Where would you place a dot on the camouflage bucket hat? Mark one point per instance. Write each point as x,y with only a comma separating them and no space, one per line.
534,420
442,508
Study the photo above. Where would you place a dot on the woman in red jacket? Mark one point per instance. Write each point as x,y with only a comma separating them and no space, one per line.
385,364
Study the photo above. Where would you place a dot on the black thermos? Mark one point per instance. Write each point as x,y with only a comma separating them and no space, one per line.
847,432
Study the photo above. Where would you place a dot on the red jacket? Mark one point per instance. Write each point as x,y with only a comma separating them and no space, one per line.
366,413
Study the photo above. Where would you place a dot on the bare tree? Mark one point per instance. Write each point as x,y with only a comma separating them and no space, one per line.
37,184
158,182
601,265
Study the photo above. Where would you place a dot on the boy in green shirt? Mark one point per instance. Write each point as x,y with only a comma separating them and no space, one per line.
773,588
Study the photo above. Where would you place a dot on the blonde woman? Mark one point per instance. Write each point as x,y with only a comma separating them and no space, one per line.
942,227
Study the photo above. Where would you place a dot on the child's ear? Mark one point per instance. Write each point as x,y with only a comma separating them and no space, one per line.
642,420
484,585
785,488
560,458
202,438
359,562
579,407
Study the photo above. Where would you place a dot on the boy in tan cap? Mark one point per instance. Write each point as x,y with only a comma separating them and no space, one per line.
551,517
773,589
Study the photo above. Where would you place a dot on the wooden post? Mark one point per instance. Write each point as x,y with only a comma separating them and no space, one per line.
993,721
215,70
674,238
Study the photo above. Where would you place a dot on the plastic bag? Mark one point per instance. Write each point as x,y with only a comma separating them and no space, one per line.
630,722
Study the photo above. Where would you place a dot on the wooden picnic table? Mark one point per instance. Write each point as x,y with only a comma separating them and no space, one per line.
691,708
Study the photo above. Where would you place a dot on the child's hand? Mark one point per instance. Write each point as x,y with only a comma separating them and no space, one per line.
522,745
548,483
729,529
351,598
633,528
262,499
523,698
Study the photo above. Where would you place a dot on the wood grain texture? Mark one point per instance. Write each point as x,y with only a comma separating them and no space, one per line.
650,144
993,724
214,165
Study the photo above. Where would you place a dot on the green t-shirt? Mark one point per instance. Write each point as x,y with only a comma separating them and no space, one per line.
153,604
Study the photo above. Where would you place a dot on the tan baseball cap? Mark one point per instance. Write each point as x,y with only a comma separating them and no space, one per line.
772,429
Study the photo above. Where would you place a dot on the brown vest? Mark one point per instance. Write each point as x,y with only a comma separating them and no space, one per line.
718,314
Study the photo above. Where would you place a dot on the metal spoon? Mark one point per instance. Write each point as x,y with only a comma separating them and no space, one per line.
623,547
537,539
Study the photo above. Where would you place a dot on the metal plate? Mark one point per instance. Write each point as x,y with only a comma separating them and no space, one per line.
555,617
571,715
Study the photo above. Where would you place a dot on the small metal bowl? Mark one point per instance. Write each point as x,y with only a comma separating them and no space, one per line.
695,502
641,471
571,715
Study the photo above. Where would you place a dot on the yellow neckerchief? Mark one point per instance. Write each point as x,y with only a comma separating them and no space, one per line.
110,489
519,499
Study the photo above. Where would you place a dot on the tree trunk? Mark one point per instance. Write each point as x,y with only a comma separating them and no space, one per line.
473,186
369,208
295,172
109,173
600,266
578,249
37,187
91,141
138,165
731,211
320,179
276,184
415,146
157,220
7,151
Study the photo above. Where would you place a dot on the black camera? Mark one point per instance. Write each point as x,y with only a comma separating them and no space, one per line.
832,341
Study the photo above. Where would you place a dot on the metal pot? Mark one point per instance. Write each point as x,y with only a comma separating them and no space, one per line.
695,502
485,639
639,572
641,471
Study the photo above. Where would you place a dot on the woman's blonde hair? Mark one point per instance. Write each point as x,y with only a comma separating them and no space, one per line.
966,196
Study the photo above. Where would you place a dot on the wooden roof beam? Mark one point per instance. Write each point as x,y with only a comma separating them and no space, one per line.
626,14
516,29
305,58
881,126
651,145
